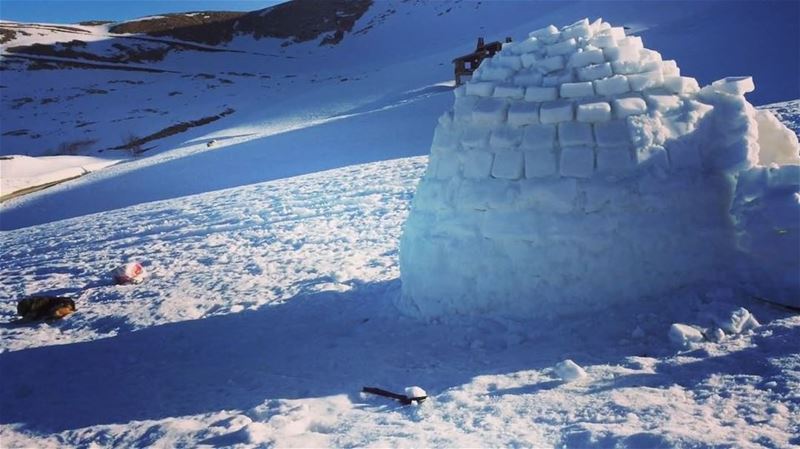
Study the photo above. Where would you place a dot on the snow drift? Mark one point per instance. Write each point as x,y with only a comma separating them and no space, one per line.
579,169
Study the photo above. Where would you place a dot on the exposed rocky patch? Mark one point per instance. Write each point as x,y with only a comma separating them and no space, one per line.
296,21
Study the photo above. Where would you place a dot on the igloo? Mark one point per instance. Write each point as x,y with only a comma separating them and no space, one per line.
578,169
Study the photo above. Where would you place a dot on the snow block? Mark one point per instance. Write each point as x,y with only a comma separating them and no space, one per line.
505,137
525,79
491,111
681,84
548,32
463,107
670,68
558,78
512,62
549,64
475,137
734,85
540,164
540,94
684,335
683,155
614,160
523,113
480,89
612,134
603,41
577,162
539,137
578,30
514,92
508,165
623,107
575,134
561,48
647,80
490,72
555,111
447,167
663,103
477,164
595,72
527,46
587,57
652,156
615,85
577,90
594,112
557,195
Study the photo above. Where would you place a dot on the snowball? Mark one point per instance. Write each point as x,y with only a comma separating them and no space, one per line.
514,92
577,162
584,58
540,94
490,111
523,113
683,335
612,134
539,164
555,111
595,72
593,112
615,85
539,137
734,85
577,90
569,371
624,107
130,273
647,80
508,165
575,134
562,48
477,164
415,392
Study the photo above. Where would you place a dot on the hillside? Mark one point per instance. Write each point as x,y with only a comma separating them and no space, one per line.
262,177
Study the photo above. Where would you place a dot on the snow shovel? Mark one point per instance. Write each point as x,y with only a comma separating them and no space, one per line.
413,394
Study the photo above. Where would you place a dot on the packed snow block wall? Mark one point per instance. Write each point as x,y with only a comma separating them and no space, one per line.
577,168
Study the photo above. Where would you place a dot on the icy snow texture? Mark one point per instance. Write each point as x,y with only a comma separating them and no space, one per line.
609,180
569,371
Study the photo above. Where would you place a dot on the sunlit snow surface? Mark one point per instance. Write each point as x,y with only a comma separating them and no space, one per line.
268,307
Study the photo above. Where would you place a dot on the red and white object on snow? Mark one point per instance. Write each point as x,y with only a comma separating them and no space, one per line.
130,273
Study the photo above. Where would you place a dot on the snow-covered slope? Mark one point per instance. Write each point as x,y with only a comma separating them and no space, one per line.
269,300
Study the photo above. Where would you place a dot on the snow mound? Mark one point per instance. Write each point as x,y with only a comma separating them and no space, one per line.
578,168
569,371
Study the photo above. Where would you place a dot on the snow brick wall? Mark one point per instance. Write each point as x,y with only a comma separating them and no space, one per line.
578,168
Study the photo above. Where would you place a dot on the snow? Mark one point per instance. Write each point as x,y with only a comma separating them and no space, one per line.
23,172
569,371
270,300
684,335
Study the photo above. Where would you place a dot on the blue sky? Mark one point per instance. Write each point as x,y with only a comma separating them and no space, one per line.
70,11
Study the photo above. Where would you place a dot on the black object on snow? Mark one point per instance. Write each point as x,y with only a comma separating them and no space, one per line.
403,399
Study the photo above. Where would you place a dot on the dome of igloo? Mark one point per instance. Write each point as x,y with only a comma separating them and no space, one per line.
577,168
